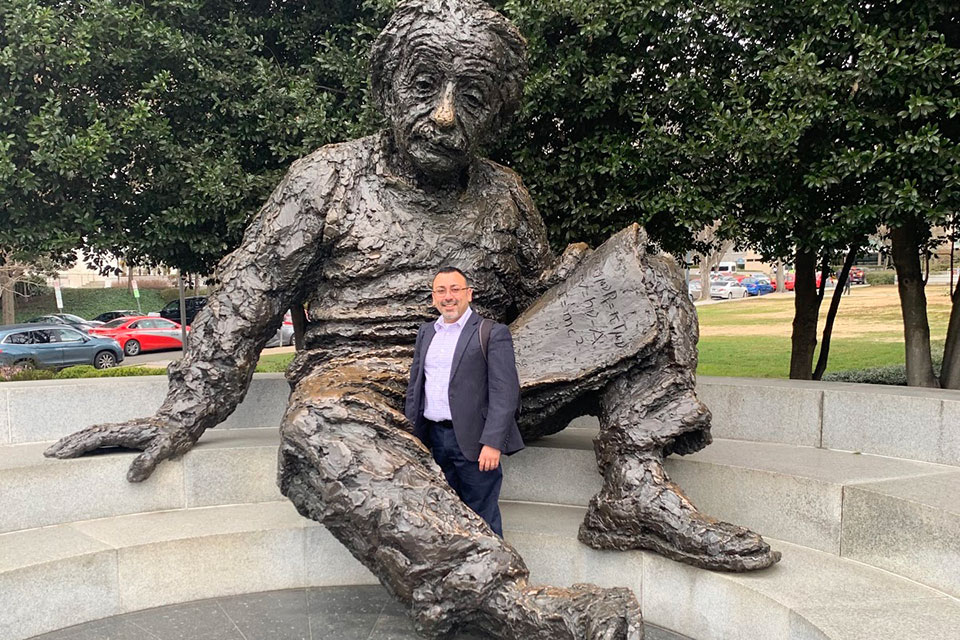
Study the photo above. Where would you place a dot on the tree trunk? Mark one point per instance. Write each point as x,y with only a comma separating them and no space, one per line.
299,317
806,307
905,249
8,298
950,373
780,275
832,312
130,279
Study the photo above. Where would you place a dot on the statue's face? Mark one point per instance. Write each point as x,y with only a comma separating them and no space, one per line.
445,102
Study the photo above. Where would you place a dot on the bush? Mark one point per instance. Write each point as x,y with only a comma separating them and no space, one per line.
11,373
880,277
895,374
87,371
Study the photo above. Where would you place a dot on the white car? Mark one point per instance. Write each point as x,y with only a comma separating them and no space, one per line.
728,289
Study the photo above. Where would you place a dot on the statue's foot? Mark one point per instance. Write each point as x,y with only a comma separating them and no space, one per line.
581,612
657,516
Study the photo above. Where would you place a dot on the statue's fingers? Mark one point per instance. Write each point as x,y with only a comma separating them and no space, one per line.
136,434
143,465
77,444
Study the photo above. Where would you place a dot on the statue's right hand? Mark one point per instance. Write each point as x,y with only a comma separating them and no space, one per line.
159,438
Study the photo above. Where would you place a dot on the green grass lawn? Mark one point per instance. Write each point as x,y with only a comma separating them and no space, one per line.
769,357
751,338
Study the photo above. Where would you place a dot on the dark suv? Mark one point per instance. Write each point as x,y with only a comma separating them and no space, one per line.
193,304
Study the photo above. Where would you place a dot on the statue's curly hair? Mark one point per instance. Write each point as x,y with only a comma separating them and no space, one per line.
468,16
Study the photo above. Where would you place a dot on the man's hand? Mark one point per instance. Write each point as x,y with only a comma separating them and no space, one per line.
158,438
489,458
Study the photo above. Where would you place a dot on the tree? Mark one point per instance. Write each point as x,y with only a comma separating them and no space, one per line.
843,118
16,269
152,130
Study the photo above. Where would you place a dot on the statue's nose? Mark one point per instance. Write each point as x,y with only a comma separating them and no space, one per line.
443,115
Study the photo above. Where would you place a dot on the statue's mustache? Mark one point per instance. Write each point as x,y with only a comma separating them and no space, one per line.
453,141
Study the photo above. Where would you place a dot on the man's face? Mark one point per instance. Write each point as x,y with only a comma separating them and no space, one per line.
445,101
451,296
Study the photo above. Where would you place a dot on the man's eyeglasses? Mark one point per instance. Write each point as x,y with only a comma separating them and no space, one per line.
454,291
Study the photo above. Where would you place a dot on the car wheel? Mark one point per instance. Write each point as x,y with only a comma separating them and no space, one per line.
131,348
730,296
104,360
25,364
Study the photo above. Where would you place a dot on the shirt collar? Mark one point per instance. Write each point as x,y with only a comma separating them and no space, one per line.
440,325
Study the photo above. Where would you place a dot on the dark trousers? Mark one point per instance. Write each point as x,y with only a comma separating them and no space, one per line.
479,490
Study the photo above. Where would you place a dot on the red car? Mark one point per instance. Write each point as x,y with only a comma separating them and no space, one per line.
142,333
790,278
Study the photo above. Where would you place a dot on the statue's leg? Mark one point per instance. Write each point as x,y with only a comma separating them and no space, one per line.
645,415
346,461
618,337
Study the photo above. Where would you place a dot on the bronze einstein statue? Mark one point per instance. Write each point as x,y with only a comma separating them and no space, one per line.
357,231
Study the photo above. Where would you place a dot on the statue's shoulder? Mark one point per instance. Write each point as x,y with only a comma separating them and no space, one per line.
339,156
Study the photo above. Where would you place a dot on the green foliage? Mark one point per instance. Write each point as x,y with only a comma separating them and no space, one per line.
88,303
153,130
894,374
87,371
879,277
10,373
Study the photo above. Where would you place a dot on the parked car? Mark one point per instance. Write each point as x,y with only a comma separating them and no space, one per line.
856,275
66,319
55,347
284,335
756,286
107,316
142,333
171,311
727,289
766,280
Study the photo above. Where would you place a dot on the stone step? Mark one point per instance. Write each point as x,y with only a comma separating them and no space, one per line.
62,575
900,515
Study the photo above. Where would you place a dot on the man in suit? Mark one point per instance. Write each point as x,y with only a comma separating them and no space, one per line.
463,403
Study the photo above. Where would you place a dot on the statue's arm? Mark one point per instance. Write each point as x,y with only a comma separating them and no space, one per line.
281,250
544,269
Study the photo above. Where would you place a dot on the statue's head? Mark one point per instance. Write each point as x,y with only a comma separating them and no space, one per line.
448,75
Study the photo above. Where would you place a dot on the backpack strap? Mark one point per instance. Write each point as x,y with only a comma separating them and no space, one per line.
486,326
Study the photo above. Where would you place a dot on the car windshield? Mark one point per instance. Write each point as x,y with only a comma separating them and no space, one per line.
113,324
69,317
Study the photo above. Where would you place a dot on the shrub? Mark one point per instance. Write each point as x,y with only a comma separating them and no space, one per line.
895,374
880,277
87,371
11,373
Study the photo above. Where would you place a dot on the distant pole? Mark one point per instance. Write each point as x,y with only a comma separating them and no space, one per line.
136,294
57,295
183,312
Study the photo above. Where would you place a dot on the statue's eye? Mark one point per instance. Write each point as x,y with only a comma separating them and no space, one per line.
473,97
423,84
473,100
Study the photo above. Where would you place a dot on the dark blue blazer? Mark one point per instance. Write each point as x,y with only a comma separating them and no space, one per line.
484,396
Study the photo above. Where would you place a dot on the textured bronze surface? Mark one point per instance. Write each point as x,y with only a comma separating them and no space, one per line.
357,231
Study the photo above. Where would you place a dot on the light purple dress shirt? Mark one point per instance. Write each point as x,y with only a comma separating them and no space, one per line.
436,367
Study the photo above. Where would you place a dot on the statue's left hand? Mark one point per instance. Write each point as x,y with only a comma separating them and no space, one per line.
159,438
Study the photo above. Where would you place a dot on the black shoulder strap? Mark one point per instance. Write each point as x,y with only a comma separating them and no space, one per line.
486,326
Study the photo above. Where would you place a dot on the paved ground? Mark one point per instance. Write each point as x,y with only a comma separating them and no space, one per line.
330,613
